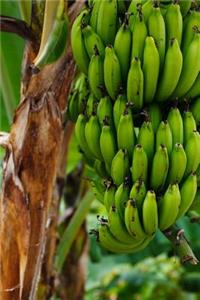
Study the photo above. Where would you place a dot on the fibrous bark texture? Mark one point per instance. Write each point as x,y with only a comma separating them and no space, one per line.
34,151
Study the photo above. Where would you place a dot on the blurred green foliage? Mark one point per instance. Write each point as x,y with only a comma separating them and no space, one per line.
154,273
10,72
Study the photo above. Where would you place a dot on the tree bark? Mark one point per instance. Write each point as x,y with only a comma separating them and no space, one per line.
33,151
47,280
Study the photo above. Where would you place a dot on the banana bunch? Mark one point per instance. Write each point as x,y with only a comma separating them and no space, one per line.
136,104
149,171
151,50
158,152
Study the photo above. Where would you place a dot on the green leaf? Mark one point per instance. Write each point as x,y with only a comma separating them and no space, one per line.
72,230
54,33
6,86
74,155
25,10
10,72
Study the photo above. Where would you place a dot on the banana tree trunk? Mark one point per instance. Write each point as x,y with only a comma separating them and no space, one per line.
33,152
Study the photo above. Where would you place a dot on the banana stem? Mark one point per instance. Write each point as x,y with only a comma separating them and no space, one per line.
19,27
180,244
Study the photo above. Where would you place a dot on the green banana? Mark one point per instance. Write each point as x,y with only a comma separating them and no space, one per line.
81,104
189,125
164,136
146,139
107,21
169,207
185,6
92,135
121,198
136,130
191,67
100,168
72,108
156,28
192,150
126,141
195,109
80,135
188,191
147,9
91,105
77,42
138,36
176,125
163,8
132,220
109,196
107,145
82,87
117,227
138,193
155,116
174,23
120,167
135,83
123,37
91,40
77,81
105,110
177,165
98,189
132,10
118,109
81,84
96,75
109,242
139,164
112,72
195,89
160,166
94,14
192,20
171,71
150,213
151,65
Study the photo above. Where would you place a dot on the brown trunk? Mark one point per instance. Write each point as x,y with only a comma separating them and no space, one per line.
46,284
33,150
